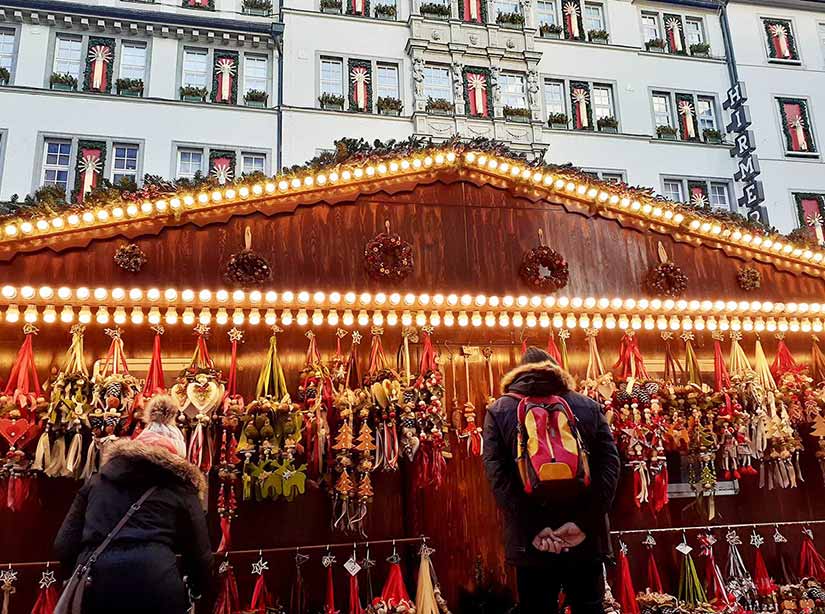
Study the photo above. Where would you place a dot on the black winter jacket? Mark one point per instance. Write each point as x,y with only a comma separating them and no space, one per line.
138,572
525,516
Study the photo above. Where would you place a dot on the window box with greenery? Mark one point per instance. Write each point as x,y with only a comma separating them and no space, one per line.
655,45
714,137
440,106
610,125
205,5
510,20
389,106
551,31
332,7
517,114
386,11
129,87
435,10
5,75
331,102
190,93
666,133
256,99
598,36
63,82
700,50
557,121
261,8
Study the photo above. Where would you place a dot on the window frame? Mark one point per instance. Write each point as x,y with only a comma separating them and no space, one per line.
674,117
114,171
602,12
708,182
787,153
518,9
15,49
662,33
449,86
374,62
655,15
245,58
766,43
555,6
208,58
179,151
341,63
397,85
83,39
248,154
703,37
602,173
611,99
132,42
522,95
204,149
591,84
45,166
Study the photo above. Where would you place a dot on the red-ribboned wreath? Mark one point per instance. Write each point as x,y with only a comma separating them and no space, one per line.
388,257
543,268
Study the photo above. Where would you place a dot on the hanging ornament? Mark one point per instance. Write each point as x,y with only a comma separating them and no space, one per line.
625,593
787,568
130,257
328,560
428,599
784,361
298,595
261,598
762,370
387,257
665,279
246,268
315,393
765,586
690,587
721,378
693,371
739,364
749,278
394,598
564,335
227,601
811,563
739,581
715,589
544,269
817,367
154,383
552,349
431,421
630,364
385,390
47,596
654,578
673,370
8,578
23,394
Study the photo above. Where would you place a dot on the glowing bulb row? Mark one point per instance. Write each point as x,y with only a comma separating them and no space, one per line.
240,298
174,204
476,319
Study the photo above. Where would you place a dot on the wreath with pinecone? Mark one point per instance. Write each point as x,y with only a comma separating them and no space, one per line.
749,278
246,268
130,257
665,279
388,257
543,268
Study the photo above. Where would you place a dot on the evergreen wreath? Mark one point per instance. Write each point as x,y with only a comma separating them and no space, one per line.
749,278
229,55
806,124
484,72
246,268
665,279
97,41
130,257
388,257
543,268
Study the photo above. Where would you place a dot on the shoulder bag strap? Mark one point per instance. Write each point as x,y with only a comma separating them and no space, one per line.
132,509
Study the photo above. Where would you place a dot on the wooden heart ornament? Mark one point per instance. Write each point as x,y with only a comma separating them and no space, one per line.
204,394
178,391
13,430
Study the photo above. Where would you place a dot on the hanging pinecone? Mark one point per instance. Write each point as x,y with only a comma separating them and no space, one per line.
246,268
130,257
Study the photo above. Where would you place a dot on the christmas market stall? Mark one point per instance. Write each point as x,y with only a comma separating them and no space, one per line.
334,334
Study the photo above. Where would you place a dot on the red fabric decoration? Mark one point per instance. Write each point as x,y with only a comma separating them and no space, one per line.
796,127
261,597
16,492
721,378
355,606
22,385
428,363
625,593
784,361
553,349
225,69
654,579
89,167
227,601
472,11
630,362
581,101
477,86
154,378
659,480
329,602
764,583
714,583
394,592
811,563
226,510
47,597
99,57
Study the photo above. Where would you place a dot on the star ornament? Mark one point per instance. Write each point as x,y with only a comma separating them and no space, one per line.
235,335
649,541
47,579
259,567
7,579
356,337
757,540
623,548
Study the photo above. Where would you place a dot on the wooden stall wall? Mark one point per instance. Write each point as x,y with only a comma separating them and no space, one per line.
466,239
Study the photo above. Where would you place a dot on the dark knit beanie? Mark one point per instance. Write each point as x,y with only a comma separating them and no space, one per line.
534,355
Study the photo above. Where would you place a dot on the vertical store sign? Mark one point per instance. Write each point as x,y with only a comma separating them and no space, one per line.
744,146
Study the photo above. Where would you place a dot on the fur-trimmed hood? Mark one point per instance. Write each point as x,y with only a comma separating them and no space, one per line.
134,452
538,378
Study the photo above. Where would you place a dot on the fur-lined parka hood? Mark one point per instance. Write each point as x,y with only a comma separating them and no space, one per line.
132,453
539,378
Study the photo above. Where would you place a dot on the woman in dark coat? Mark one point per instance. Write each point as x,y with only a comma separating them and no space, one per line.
138,572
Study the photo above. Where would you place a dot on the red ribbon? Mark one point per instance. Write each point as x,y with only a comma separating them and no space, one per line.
428,363
631,363
232,378
654,579
23,383
154,379
46,601
784,361
811,564
553,349
355,606
201,359
227,601
261,598
329,603
714,585
377,359
721,378
625,593
765,585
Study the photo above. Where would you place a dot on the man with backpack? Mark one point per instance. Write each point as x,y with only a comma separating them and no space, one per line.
553,467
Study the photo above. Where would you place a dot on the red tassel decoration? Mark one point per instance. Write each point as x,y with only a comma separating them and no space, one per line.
298,596
553,349
47,597
654,578
261,597
625,593
765,585
811,563
673,370
227,601
329,601
394,593
714,583
784,361
817,362
154,378
22,385
630,362
721,378
355,606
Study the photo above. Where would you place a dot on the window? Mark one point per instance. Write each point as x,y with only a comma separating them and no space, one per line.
795,121
661,110
821,31
554,98
190,162
719,195
546,12
387,81
67,55
512,91
255,73
124,163
195,68
56,156
603,101
437,83
253,163
507,6
706,114
673,190
781,40
594,17
650,26
6,48
694,31
611,176
332,76
133,60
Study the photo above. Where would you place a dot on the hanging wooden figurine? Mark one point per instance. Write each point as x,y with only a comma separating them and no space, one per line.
199,391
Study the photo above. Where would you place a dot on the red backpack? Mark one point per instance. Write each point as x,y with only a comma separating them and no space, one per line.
550,453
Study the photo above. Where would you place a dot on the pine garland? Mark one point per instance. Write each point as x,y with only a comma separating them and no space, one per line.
95,41
767,23
584,85
806,124
219,55
800,212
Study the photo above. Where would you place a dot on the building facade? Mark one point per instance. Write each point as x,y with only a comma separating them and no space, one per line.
630,91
